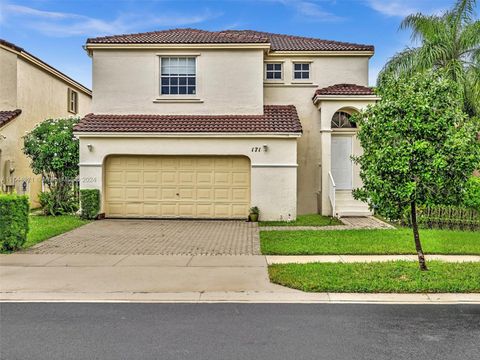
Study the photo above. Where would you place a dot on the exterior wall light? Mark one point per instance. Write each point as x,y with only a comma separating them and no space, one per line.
265,147
90,147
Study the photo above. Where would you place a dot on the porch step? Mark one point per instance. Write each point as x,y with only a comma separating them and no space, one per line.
346,205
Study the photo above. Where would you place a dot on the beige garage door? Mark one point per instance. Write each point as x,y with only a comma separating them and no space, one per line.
177,186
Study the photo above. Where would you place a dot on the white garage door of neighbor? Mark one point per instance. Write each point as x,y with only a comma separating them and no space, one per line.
341,162
177,186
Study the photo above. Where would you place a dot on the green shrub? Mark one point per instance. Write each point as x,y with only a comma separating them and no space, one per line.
52,204
14,211
471,198
90,201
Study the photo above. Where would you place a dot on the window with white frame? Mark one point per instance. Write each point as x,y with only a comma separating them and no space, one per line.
178,75
72,104
273,71
301,71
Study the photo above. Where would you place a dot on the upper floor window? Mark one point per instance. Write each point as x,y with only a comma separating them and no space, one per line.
178,75
273,71
341,120
72,101
301,71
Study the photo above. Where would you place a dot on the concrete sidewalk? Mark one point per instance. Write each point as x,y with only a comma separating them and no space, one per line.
160,278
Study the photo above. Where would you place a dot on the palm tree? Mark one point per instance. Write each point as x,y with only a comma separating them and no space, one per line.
450,41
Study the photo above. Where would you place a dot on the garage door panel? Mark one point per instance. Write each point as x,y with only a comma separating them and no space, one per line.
205,210
169,210
204,178
115,209
114,177
133,193
115,193
169,194
151,193
151,177
222,178
177,186
169,178
186,194
133,177
150,209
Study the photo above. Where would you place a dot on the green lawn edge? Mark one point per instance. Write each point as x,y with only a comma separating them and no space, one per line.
379,277
304,220
45,227
368,242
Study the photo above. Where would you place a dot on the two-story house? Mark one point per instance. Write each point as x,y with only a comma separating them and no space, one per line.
30,91
203,124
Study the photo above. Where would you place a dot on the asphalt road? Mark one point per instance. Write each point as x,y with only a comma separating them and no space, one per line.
238,331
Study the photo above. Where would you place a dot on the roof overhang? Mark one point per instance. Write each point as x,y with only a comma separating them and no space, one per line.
321,53
318,98
89,47
91,134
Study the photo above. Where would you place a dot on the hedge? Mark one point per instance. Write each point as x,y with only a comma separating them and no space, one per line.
90,203
14,210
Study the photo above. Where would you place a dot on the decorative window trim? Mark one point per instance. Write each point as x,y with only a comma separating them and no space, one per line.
72,101
266,63
309,71
161,76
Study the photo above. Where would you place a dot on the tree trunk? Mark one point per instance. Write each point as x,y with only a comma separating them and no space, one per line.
416,237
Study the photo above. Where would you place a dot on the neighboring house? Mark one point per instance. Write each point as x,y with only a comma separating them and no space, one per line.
30,92
199,124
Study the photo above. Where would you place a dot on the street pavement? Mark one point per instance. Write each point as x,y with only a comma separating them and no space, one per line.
238,331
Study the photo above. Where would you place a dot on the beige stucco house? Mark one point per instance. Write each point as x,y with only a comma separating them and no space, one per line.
199,124
30,92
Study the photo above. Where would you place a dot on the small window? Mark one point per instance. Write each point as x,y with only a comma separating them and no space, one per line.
301,71
72,101
341,120
178,76
273,71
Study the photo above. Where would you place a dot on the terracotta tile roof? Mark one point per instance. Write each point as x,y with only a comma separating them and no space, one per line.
345,89
278,42
8,115
276,119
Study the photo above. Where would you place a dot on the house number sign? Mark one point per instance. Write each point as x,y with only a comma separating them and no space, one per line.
257,149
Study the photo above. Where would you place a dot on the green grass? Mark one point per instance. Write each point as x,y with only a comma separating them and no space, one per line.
305,220
388,277
397,241
45,227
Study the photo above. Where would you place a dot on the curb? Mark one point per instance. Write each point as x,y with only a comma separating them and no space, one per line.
245,297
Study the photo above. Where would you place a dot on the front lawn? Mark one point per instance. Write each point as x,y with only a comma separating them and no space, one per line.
305,220
45,227
366,242
376,277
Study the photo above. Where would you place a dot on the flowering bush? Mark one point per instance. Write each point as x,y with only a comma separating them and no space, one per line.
54,154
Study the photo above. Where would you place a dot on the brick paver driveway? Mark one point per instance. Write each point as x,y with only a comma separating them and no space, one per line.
156,237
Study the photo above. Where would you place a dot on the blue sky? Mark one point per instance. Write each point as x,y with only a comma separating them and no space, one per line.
56,30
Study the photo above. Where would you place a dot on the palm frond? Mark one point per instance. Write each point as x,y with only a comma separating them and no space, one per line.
422,26
405,61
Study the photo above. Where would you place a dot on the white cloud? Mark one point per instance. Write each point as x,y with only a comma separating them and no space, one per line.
403,8
314,12
67,24
309,10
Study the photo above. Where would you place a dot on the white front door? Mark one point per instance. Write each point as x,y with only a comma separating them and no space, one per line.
341,162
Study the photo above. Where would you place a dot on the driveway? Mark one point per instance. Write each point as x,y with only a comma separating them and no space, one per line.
156,237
